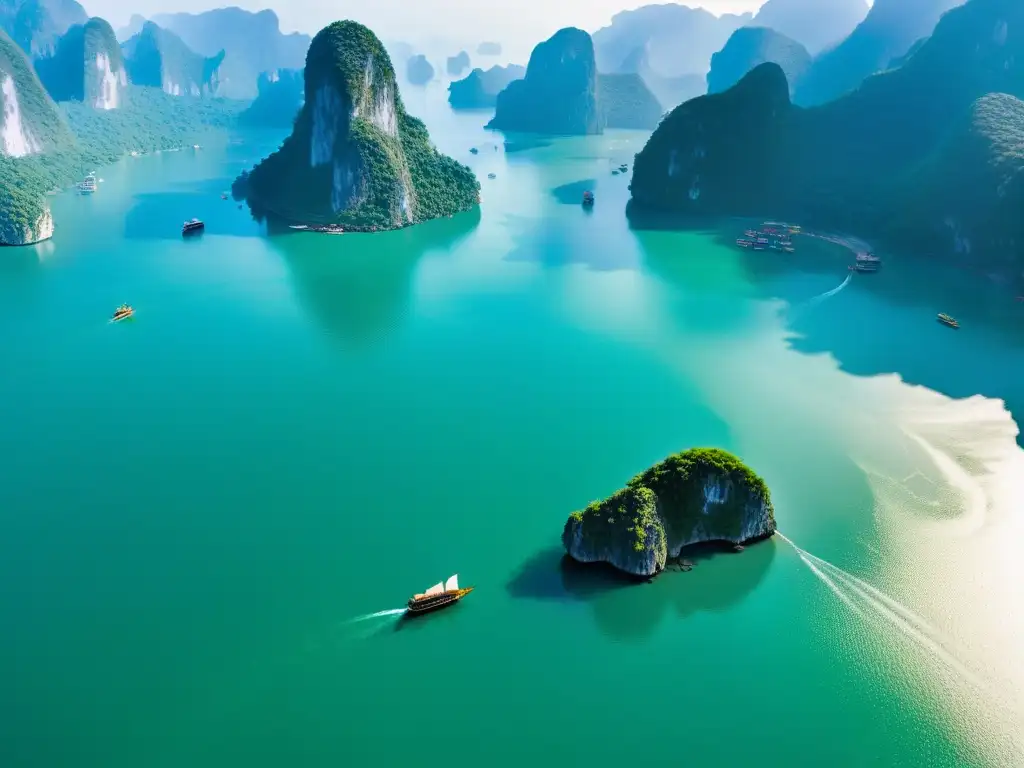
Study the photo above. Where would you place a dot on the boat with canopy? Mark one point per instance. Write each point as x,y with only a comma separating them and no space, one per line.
441,595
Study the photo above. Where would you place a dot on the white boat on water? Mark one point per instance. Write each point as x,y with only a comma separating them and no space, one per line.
87,185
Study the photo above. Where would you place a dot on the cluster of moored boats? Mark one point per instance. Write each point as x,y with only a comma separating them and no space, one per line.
772,236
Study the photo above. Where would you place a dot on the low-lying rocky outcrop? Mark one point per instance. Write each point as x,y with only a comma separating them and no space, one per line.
480,88
458,64
699,495
419,71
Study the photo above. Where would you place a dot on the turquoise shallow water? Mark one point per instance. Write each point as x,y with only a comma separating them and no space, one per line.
203,508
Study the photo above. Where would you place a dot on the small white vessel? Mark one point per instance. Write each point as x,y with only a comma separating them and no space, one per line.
87,185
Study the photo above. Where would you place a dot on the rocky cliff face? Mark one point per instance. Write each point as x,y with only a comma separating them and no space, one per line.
699,158
87,65
749,47
158,58
558,94
480,89
355,157
699,495
37,231
29,120
626,102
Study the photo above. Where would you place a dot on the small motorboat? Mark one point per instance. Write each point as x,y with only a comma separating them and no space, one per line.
948,320
588,198
474,151
441,595
192,227
122,312
492,175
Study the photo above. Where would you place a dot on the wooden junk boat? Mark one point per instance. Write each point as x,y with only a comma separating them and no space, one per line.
438,596
122,312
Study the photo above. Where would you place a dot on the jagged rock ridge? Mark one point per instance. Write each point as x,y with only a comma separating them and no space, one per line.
87,66
159,58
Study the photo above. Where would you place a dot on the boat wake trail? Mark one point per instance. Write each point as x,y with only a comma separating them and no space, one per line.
392,612
868,601
827,294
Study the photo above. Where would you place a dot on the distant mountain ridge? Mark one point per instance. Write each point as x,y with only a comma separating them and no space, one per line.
158,58
36,25
815,24
86,66
750,47
252,43
889,30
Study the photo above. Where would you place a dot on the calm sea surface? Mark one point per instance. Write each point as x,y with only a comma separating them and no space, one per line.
209,513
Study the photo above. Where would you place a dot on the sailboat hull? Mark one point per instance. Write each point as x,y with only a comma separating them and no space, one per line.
436,602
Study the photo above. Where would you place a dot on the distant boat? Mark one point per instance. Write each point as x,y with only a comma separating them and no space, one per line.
122,312
474,151
87,185
492,175
588,198
948,320
441,595
192,227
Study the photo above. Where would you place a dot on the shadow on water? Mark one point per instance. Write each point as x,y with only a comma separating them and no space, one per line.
358,285
572,194
881,323
627,608
159,215
574,237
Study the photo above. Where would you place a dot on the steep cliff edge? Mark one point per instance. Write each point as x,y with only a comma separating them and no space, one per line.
86,66
159,58
355,157
558,94
750,47
696,496
480,88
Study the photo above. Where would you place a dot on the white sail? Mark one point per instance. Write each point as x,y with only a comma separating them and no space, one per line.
437,589
452,584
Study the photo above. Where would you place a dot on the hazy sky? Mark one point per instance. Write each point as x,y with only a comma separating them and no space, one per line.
517,24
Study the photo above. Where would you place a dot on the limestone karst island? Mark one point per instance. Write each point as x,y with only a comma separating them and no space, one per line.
700,495
355,158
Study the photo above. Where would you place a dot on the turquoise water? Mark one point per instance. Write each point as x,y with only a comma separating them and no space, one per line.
203,508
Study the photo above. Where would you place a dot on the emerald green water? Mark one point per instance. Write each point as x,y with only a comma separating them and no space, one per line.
202,508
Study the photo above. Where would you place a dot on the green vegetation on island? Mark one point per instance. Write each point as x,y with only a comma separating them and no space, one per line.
869,161
87,65
558,94
480,88
355,158
699,495
419,71
750,47
159,58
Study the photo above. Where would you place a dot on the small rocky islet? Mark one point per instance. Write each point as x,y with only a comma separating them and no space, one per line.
697,496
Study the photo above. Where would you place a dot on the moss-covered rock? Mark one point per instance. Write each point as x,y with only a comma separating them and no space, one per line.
696,496
355,157
419,71
748,48
558,94
86,66
158,58
480,88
